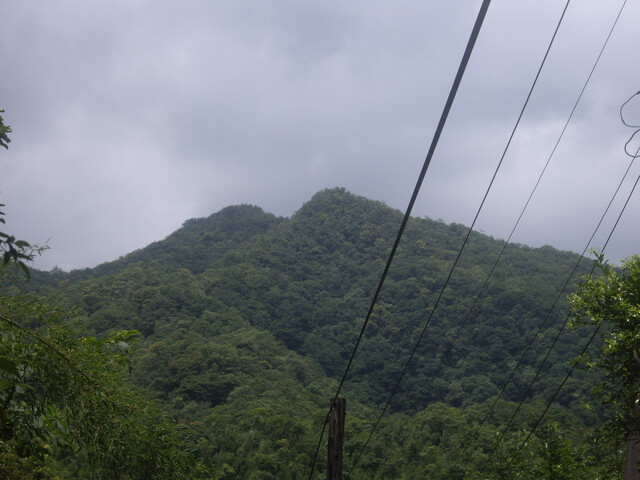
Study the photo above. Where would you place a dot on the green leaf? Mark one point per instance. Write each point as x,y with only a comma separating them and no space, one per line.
8,366
5,384
25,269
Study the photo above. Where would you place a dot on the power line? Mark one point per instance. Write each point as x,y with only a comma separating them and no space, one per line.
593,336
446,283
622,108
626,145
443,118
569,314
562,328
526,350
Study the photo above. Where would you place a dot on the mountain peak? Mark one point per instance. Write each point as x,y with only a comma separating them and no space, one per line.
339,201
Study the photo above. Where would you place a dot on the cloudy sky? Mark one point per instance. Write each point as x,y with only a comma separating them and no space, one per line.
131,116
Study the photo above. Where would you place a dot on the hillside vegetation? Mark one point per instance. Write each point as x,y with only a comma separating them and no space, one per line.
247,321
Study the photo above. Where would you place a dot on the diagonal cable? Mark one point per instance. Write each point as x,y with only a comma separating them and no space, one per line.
469,230
443,118
593,336
569,314
526,350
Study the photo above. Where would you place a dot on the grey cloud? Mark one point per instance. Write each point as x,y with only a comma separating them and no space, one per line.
133,116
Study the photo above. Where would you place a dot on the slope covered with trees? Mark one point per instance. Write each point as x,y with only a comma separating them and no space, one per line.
247,321
67,406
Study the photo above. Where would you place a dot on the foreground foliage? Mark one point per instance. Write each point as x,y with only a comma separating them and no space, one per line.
247,321
612,301
66,407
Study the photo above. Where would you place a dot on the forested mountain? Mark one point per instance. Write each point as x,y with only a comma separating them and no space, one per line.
247,321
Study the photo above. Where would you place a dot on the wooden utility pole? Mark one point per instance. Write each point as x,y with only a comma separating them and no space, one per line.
632,458
336,438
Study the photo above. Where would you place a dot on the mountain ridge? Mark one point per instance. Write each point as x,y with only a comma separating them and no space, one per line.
308,280
242,307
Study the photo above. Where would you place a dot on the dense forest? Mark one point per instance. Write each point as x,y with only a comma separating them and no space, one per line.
228,338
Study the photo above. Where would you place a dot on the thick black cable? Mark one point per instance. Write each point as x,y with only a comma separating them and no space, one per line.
466,239
524,353
593,336
434,142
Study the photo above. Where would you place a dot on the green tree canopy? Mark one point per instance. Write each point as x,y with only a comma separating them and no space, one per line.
612,301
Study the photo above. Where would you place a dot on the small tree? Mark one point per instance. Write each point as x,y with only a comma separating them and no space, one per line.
4,131
67,408
11,249
612,301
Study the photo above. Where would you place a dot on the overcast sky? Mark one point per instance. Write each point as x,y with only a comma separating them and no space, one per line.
131,116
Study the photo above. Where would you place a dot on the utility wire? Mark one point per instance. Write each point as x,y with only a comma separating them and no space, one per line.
508,241
622,116
569,313
464,243
558,298
593,336
526,350
626,145
434,142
